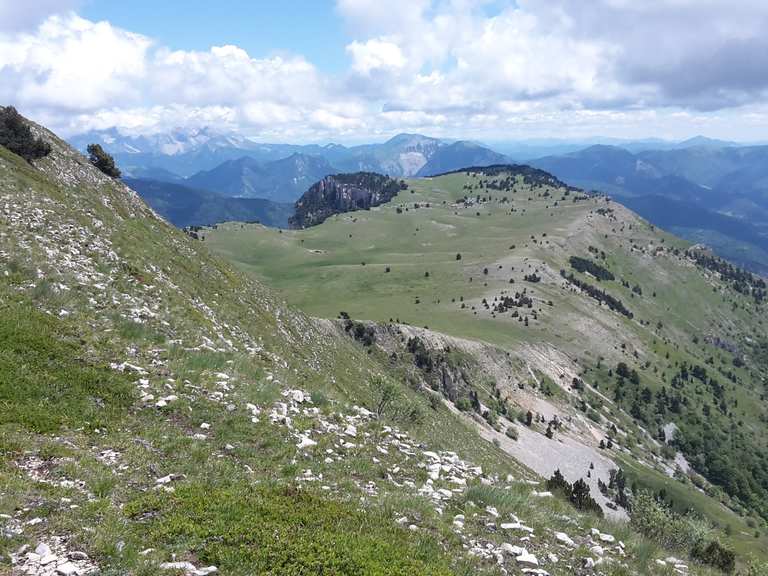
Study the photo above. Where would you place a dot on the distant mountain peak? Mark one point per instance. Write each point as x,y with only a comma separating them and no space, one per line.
703,141
405,137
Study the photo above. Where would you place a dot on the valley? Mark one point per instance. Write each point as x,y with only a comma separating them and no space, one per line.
478,255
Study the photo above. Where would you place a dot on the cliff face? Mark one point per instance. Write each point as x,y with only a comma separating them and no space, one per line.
343,193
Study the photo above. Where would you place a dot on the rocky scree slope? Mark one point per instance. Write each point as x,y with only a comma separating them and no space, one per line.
160,412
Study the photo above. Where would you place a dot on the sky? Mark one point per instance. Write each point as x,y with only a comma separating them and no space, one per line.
357,70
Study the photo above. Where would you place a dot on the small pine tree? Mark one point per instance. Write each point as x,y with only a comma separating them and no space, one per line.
582,499
558,483
16,135
103,161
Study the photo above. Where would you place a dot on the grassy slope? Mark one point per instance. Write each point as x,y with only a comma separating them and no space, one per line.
320,270
115,284
93,280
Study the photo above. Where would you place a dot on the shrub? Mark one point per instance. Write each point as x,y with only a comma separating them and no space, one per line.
421,356
463,404
717,555
389,401
18,138
757,568
511,432
103,161
582,499
529,418
577,493
586,265
658,522
363,333
385,395
557,483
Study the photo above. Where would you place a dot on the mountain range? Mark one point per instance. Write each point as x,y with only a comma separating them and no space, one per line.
186,153
184,206
283,180
484,372
719,189
707,193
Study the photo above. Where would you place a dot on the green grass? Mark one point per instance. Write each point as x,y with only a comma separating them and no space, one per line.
684,498
284,531
235,503
679,309
46,383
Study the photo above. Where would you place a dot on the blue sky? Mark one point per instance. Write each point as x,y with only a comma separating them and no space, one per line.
263,28
356,70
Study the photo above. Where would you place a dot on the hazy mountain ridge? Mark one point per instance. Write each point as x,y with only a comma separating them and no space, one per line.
184,206
725,186
282,180
180,151
717,176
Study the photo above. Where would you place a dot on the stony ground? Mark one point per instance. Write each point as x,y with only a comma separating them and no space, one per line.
173,394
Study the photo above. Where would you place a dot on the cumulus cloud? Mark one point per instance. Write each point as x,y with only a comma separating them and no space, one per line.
376,54
703,54
78,75
699,54
73,64
466,68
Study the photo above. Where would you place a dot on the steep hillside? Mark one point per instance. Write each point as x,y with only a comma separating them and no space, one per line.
184,206
617,325
162,413
343,193
145,384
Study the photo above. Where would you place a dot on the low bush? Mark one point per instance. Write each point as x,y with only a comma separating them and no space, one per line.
390,402
717,555
685,533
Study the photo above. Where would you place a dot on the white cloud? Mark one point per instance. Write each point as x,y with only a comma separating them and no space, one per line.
376,54
463,68
73,64
77,75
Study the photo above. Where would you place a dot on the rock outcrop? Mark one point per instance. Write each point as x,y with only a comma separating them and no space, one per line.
344,193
